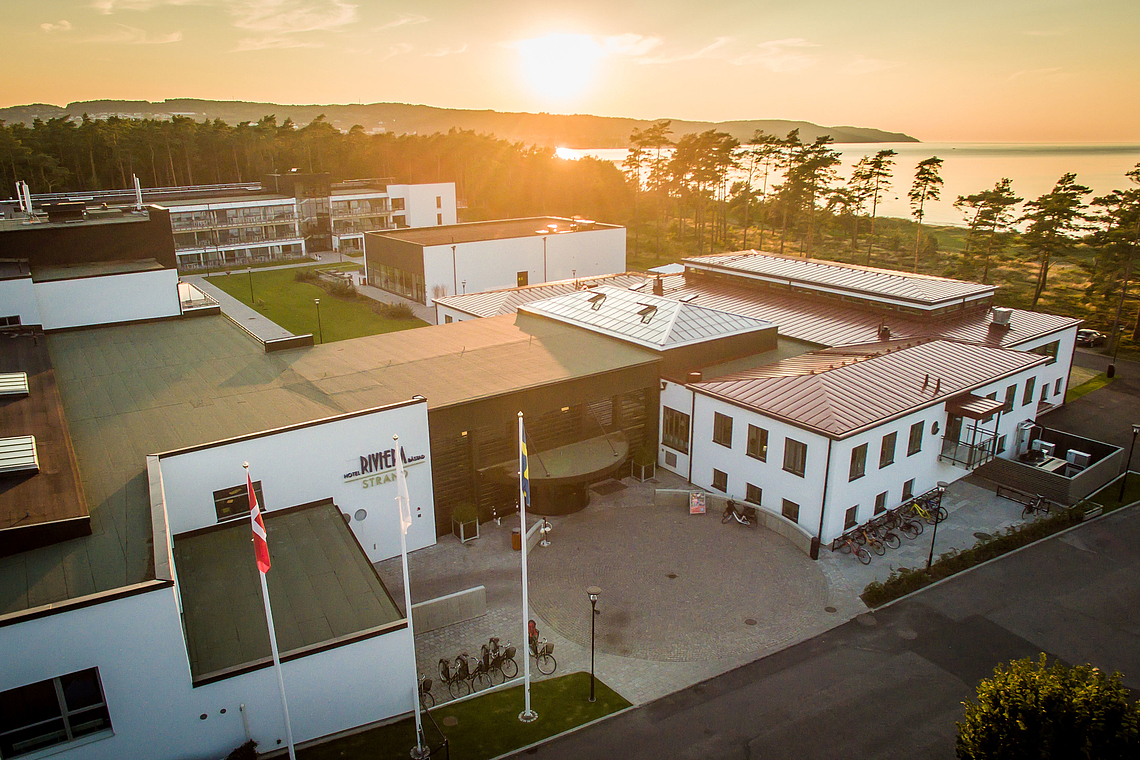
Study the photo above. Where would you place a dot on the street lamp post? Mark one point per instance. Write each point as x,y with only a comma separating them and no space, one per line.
942,486
249,271
593,592
320,332
1128,462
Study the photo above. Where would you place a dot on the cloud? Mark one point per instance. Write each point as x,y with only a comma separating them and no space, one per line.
780,56
107,7
404,19
130,35
714,49
1034,72
63,25
401,48
441,52
864,65
630,44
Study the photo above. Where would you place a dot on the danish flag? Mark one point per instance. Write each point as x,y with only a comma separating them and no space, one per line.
260,545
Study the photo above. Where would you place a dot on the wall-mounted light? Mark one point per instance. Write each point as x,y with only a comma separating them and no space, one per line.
934,428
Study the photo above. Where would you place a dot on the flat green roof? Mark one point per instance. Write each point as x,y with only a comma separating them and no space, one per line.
322,588
145,388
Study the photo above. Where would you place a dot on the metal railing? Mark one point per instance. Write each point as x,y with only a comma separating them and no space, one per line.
968,455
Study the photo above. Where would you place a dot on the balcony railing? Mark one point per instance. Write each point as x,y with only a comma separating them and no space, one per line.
347,212
229,242
221,223
968,455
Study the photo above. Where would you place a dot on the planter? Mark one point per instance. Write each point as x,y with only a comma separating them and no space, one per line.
643,472
465,523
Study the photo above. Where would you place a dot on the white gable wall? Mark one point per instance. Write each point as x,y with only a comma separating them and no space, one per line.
18,299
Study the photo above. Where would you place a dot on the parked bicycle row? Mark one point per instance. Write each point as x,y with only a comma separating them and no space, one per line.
496,663
882,532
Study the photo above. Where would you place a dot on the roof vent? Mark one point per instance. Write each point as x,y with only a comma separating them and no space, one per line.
884,332
1001,316
597,300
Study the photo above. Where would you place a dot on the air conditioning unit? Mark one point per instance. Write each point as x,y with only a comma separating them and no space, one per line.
1044,447
1078,458
1021,441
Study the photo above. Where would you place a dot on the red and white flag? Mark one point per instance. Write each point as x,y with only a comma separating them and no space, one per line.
260,545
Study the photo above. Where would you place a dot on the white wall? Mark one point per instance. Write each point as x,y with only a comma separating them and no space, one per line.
495,264
420,208
679,398
108,299
308,463
442,312
1058,370
18,297
137,644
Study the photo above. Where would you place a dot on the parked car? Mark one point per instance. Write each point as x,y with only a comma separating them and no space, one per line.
1090,338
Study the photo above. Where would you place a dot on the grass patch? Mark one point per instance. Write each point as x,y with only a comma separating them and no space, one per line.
1094,384
280,297
1109,496
486,726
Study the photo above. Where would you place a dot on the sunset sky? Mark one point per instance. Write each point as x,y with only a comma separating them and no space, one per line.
973,70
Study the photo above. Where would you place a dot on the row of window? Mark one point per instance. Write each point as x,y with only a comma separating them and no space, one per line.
851,516
795,452
753,494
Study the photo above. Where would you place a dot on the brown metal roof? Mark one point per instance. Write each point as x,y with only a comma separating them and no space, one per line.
921,289
492,303
499,229
973,406
842,401
835,323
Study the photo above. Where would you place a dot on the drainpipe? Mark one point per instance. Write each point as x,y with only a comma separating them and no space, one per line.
823,501
454,274
692,430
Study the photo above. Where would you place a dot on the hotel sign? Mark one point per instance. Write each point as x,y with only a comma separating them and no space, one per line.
379,467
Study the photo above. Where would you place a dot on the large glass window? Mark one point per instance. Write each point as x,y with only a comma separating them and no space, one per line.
1049,349
915,444
758,443
722,429
51,712
675,430
887,451
795,456
858,462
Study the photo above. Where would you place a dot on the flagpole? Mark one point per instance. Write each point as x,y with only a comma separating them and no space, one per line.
527,715
403,502
255,511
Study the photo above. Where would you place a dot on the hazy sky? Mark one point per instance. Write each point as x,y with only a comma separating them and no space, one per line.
979,70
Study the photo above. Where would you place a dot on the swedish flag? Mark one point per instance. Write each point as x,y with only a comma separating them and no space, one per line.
524,466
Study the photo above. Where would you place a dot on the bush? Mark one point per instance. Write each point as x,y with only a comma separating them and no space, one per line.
247,751
304,275
1035,711
342,288
903,581
394,310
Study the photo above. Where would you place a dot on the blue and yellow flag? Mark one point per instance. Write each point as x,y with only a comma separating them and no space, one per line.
524,465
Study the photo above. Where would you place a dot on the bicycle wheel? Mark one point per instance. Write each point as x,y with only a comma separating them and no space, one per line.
427,701
726,516
547,664
878,548
459,688
1027,511
892,540
941,513
863,555
509,667
496,675
481,680
860,538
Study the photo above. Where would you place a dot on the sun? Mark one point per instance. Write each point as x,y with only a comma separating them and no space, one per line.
560,66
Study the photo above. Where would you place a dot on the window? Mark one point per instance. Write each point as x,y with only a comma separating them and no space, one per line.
439,201
1057,388
675,430
850,517
881,503
439,218
1044,392
908,489
1001,445
722,429
234,502
522,278
1028,395
1049,349
887,452
915,444
753,493
447,319
791,510
795,456
397,204
720,480
13,321
858,462
758,443
52,712
1010,395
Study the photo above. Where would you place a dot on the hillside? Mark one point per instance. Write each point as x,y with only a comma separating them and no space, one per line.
576,131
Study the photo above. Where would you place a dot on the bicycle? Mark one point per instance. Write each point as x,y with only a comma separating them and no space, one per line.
455,675
478,677
1038,505
865,537
846,545
931,514
543,653
883,528
744,515
427,701
502,658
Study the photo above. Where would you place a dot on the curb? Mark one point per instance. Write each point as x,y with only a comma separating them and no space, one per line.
1098,518
567,732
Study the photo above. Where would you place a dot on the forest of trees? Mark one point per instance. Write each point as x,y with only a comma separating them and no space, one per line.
699,193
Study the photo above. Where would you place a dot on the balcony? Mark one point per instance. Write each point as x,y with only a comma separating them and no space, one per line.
221,223
237,240
354,212
968,456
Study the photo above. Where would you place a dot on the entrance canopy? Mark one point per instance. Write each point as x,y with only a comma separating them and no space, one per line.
973,407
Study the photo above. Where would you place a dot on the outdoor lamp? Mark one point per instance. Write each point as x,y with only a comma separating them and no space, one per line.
593,592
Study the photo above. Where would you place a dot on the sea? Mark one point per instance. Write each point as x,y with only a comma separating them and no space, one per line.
969,168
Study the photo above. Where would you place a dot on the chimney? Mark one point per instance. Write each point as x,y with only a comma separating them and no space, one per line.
695,377
1001,317
658,286
884,332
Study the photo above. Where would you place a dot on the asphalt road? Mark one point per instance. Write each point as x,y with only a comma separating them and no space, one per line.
1107,414
890,684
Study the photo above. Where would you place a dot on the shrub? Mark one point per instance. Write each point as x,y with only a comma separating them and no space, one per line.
304,275
247,751
394,310
342,288
1031,710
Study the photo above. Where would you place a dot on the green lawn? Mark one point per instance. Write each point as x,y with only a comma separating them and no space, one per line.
1109,496
290,304
1096,382
486,726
